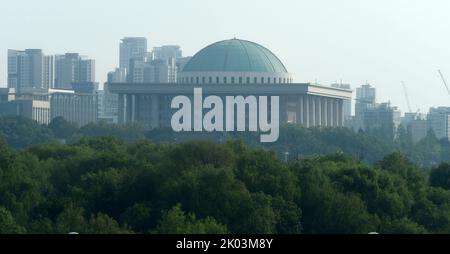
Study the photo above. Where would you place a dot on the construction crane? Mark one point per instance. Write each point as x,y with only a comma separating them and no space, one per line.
406,96
445,82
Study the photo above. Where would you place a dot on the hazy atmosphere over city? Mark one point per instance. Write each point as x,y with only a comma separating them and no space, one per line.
382,42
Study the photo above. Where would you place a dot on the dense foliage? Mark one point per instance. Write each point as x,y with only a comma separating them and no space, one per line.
104,185
369,147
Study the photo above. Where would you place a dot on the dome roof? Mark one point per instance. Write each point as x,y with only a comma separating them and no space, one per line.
235,56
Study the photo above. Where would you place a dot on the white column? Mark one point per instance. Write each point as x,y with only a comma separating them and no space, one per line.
121,105
306,111
341,114
155,111
312,112
133,108
336,112
318,112
299,111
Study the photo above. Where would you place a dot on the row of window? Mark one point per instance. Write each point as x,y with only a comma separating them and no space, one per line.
233,80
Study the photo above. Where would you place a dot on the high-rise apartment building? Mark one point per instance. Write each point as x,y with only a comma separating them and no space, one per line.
160,71
439,122
117,76
382,117
167,52
365,96
143,70
73,68
131,47
30,68
48,74
365,99
135,72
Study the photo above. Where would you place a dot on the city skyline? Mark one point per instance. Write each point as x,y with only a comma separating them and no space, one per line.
382,43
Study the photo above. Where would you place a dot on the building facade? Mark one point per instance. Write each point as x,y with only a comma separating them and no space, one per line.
382,117
302,104
143,70
73,68
108,105
167,52
7,94
418,128
230,68
131,47
117,76
37,110
160,71
347,103
439,121
30,69
80,108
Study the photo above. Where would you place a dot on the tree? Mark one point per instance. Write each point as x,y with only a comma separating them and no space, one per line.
7,223
21,132
103,224
106,185
175,221
402,226
61,128
128,133
440,176
138,217
71,219
6,155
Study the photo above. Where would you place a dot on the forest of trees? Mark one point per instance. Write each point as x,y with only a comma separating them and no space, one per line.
59,179
369,147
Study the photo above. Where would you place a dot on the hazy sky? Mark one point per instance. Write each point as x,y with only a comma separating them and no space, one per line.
378,41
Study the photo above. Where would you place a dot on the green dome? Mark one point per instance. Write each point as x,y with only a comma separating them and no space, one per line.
235,56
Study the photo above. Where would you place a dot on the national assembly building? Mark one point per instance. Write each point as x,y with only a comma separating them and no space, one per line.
232,68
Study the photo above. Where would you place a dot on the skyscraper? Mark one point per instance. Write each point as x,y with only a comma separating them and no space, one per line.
382,117
117,76
49,72
365,100
30,69
439,122
143,70
166,52
160,71
366,94
73,68
135,71
131,47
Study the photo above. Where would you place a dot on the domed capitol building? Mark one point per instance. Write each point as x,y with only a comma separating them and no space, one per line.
231,68
235,62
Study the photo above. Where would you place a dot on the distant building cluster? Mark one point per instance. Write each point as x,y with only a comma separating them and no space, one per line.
370,115
43,87
137,65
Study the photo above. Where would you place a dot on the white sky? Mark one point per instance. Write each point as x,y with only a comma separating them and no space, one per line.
379,41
